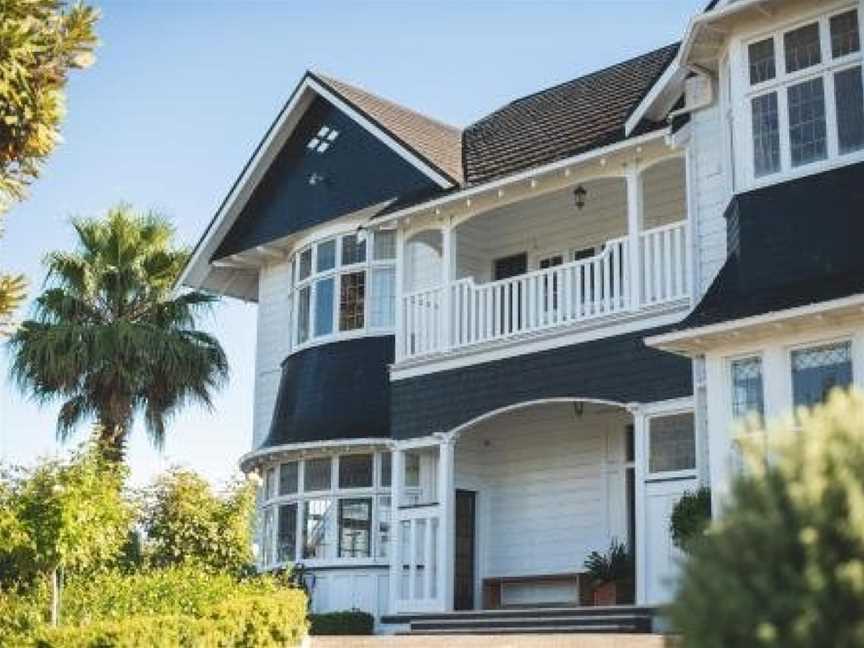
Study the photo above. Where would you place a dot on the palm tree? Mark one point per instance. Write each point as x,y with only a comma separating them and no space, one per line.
109,336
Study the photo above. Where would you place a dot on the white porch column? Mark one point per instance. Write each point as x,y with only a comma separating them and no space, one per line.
446,318
634,228
400,294
446,530
397,485
640,430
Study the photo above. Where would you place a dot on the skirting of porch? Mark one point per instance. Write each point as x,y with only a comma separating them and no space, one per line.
548,620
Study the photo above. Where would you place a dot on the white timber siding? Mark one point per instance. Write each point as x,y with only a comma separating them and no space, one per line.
350,589
710,193
665,193
273,345
550,487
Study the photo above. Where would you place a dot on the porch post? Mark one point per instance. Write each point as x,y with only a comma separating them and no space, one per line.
446,277
397,482
640,429
634,228
446,531
400,295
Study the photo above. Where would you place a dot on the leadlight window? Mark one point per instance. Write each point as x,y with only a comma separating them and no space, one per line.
386,469
267,537
794,120
355,528
317,474
317,515
747,389
355,471
288,477
672,443
335,280
270,483
384,525
819,370
286,538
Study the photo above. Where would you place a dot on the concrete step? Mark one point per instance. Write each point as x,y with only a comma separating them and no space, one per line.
537,640
530,624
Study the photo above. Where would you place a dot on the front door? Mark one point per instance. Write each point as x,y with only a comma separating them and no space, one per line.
463,568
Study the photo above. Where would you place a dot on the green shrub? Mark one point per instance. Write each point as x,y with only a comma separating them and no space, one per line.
20,615
783,567
349,622
690,518
184,590
260,621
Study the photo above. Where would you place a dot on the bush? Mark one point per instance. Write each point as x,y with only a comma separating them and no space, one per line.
349,622
784,565
182,590
20,615
262,621
690,518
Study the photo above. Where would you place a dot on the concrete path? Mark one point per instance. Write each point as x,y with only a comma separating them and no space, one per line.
496,641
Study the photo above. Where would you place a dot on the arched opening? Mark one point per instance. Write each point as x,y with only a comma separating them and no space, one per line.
548,482
423,259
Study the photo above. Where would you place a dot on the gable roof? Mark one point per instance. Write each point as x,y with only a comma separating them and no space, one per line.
438,143
562,121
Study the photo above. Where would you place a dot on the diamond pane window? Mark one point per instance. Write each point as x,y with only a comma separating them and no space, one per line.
286,537
844,34
816,371
672,443
355,528
766,135
802,47
747,392
762,61
355,471
288,476
849,97
352,301
353,250
807,130
317,474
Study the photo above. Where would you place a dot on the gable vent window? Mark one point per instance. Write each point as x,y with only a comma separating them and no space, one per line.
345,286
805,96
323,139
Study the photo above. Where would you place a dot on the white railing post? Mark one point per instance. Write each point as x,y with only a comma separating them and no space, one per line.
446,531
397,481
634,228
446,314
401,336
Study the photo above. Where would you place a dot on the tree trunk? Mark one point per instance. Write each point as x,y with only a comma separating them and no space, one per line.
111,439
56,592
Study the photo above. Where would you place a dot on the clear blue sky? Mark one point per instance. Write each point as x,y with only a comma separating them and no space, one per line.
182,92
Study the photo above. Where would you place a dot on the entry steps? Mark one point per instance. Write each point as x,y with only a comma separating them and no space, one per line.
551,620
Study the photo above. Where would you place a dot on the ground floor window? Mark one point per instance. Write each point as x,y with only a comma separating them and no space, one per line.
747,391
672,443
355,528
316,515
818,370
286,540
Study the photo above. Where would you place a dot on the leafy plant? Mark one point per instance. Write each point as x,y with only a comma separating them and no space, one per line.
110,339
784,565
349,622
690,518
616,565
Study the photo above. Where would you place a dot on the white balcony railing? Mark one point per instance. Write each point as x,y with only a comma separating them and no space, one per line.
465,313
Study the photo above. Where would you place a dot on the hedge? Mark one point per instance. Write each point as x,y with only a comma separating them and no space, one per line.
261,621
349,622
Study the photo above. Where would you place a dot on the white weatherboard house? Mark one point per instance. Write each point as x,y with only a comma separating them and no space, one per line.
484,353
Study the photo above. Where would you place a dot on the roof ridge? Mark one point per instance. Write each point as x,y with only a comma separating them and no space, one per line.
583,77
330,80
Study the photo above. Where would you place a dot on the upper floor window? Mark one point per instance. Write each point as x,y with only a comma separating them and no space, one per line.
805,95
672,443
340,287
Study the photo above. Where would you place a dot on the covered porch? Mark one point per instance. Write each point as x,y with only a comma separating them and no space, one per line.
604,248
502,512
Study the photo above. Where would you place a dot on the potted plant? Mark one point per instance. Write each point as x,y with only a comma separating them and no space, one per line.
611,575
690,518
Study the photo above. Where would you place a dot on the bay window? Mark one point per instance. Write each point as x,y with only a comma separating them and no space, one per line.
341,288
355,528
804,94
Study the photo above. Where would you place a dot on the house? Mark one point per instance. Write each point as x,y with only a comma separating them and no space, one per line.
484,354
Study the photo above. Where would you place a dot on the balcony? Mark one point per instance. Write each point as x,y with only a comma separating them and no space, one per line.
571,279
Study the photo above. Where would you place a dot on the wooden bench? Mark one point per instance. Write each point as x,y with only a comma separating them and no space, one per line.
495,590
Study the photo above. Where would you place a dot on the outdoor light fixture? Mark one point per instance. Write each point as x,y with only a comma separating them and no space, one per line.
579,195
361,234
578,409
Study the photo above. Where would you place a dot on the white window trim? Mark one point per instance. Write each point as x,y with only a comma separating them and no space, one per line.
337,272
780,84
669,474
729,378
789,349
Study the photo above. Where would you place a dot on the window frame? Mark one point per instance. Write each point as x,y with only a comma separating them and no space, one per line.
816,344
663,475
780,84
337,272
730,383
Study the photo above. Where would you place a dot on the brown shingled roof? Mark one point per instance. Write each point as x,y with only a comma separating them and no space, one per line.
568,119
437,143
